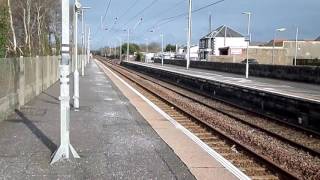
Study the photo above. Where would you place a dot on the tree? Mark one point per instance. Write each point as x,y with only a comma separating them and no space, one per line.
34,26
132,48
4,24
171,48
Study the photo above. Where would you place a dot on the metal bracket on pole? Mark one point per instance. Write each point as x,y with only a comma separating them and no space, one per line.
65,146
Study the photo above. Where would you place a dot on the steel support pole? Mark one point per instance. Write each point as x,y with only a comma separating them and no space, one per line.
85,46
161,49
120,47
128,44
248,43
65,146
274,44
296,50
89,44
189,33
83,43
76,71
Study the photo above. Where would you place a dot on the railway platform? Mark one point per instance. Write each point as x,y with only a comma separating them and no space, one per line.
296,90
116,133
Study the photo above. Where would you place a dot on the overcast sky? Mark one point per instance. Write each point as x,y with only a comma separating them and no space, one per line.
267,16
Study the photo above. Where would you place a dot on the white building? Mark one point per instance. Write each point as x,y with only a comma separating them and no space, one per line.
222,41
194,52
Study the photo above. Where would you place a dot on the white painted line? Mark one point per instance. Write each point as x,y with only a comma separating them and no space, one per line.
224,162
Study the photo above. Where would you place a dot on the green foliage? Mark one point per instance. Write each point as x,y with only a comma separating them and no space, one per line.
4,29
132,48
139,56
171,48
58,45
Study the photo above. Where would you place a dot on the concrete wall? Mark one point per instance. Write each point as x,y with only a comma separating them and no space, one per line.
306,49
262,54
21,79
307,74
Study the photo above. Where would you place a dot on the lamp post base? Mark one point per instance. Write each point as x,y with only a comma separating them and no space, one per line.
63,153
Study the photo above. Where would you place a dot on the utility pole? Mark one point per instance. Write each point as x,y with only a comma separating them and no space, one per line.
296,50
189,33
65,146
161,49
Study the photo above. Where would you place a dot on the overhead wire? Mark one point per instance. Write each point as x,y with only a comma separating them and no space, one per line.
173,18
141,12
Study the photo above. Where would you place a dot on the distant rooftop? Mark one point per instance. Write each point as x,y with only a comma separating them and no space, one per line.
223,31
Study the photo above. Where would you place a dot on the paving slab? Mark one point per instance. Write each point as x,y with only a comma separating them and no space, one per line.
112,138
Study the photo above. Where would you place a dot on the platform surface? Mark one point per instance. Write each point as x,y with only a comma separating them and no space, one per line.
112,138
296,90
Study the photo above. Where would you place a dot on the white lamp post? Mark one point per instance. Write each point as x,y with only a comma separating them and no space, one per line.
83,39
76,97
248,42
274,41
65,146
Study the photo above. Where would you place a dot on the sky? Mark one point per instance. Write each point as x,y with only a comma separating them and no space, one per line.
267,15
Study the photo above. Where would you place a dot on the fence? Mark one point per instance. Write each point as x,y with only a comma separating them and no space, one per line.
21,79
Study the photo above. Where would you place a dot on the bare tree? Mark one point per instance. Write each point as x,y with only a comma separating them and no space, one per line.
14,40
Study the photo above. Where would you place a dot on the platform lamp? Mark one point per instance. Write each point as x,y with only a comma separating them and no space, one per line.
65,146
83,39
274,41
248,39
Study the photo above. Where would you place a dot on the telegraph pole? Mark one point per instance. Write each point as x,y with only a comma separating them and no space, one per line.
65,146
189,33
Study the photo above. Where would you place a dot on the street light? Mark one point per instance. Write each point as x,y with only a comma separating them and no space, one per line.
274,39
248,42
189,33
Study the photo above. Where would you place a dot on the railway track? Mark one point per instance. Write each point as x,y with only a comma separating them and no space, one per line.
296,137
253,162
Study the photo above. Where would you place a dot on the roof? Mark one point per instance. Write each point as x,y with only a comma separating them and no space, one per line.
223,31
318,39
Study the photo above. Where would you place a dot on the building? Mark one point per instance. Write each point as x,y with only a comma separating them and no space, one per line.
194,53
284,53
222,41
